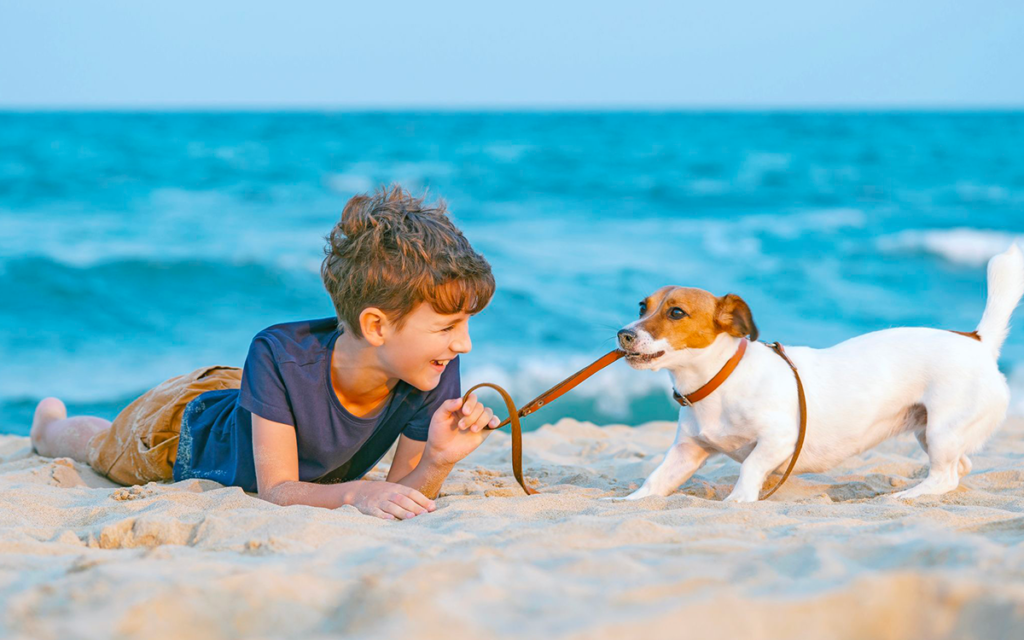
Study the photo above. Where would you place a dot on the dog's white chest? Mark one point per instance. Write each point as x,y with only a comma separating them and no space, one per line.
720,435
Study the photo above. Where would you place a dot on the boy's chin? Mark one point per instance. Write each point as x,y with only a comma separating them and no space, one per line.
425,382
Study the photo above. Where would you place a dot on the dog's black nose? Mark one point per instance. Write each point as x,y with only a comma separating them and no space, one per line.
626,338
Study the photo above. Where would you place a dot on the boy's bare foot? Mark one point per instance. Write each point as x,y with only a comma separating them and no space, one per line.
48,410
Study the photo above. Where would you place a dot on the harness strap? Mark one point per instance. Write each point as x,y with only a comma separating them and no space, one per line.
777,348
969,334
726,371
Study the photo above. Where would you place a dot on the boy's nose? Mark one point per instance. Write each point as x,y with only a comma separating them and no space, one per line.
463,344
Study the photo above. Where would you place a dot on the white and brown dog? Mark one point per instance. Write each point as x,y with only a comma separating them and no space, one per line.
943,386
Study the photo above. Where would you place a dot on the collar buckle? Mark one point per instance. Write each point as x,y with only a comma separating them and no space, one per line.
681,399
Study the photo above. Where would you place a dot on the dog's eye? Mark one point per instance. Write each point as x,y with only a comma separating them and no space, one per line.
643,309
676,313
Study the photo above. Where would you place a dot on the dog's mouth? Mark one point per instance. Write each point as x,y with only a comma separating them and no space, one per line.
640,358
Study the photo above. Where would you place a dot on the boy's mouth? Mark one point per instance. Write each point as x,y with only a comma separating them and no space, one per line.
439,365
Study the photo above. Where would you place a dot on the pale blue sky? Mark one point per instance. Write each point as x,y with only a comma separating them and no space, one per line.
473,54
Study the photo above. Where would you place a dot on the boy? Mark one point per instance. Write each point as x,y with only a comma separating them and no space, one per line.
319,402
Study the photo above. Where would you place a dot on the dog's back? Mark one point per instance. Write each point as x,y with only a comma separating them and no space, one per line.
876,385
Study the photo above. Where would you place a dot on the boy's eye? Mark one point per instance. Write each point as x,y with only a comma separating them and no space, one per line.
448,328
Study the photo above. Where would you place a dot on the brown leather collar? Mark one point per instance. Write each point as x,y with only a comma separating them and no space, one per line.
715,382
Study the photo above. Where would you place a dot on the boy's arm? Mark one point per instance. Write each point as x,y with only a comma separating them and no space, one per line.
410,469
275,451
455,431
407,456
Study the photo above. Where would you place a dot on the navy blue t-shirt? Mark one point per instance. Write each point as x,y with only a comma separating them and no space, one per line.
287,379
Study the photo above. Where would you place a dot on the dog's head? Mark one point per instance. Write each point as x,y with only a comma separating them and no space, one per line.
676,319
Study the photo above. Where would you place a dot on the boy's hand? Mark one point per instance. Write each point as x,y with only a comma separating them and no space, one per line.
389,500
457,429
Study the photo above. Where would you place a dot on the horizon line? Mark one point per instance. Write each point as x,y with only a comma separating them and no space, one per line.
540,108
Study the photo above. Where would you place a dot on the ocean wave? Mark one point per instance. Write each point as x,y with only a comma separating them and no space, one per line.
961,246
363,177
975,193
128,310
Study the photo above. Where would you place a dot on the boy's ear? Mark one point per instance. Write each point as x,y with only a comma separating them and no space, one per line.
733,315
372,323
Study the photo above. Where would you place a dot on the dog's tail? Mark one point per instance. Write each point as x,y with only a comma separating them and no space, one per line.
1005,288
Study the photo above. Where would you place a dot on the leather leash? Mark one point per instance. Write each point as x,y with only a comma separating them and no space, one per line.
552,394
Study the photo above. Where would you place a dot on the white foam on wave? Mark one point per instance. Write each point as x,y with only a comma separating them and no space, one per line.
962,246
745,236
975,193
364,177
349,183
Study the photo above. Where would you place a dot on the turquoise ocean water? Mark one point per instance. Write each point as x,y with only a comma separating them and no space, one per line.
135,247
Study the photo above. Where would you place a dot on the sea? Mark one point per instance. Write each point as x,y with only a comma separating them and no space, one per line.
138,246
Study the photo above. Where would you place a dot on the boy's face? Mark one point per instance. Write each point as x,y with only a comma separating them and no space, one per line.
423,348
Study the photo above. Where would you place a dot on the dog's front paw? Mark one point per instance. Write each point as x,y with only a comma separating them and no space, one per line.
642,492
740,496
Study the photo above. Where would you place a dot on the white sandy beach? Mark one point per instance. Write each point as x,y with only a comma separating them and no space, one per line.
829,556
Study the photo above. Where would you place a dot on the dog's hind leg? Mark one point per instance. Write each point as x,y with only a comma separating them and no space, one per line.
944,449
682,461
964,466
947,439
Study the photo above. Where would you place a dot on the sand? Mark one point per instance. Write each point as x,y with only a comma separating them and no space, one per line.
829,556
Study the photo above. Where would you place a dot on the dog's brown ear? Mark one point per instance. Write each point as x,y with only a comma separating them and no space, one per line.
733,316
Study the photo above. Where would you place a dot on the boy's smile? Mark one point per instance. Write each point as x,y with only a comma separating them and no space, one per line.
439,365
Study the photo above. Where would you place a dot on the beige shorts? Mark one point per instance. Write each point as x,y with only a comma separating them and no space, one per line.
142,443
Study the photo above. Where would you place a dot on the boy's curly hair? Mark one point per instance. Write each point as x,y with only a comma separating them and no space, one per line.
391,251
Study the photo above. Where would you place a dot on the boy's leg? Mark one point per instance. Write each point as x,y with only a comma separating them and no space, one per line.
55,435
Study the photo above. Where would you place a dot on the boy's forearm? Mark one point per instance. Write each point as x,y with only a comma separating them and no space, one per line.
428,476
328,496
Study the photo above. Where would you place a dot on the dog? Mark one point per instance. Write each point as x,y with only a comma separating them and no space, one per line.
943,386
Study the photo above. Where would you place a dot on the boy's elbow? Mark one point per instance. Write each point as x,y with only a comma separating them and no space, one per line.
277,494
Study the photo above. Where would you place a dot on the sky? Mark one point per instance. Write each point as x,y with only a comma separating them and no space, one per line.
219,54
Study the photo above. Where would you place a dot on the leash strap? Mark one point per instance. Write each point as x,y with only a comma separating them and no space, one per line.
517,433
777,348
552,394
